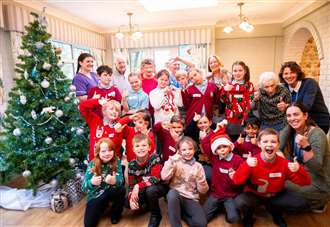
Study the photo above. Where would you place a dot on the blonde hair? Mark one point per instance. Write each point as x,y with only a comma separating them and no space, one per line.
111,103
180,73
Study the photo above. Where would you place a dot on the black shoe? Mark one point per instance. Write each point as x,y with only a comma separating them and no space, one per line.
115,219
247,221
154,220
279,220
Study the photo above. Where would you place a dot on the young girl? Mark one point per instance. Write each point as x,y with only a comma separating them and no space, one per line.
142,123
247,141
237,95
187,180
100,127
264,176
164,99
169,135
103,183
200,96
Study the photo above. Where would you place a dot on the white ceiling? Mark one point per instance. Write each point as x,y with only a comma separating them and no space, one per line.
107,15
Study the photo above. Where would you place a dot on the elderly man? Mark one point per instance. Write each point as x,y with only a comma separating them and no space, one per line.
271,101
120,75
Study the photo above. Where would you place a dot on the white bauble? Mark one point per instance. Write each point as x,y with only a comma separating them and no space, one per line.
73,129
48,140
26,173
72,87
39,45
85,162
66,99
46,66
17,132
59,113
72,94
34,114
72,161
22,99
45,83
54,183
79,131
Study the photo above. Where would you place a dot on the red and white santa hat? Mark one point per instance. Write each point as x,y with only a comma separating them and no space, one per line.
220,138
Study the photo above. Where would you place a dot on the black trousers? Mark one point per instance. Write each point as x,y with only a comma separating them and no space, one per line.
96,207
283,201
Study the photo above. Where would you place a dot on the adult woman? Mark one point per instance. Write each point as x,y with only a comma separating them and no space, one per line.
304,141
271,101
84,79
217,75
306,91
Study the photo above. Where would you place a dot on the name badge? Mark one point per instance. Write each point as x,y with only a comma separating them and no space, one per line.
196,95
112,94
172,148
273,175
111,135
226,171
238,96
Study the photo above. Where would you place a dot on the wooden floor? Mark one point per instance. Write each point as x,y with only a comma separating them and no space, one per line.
73,217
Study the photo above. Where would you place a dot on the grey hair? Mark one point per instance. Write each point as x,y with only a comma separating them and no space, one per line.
267,76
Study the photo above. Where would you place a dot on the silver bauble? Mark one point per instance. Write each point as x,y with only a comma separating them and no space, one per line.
22,99
53,183
66,99
17,132
48,140
34,114
72,87
39,45
44,83
46,66
26,173
59,113
72,161
79,131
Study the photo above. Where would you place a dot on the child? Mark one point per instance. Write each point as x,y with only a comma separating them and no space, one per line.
200,96
103,183
144,179
164,99
265,175
135,99
142,123
182,78
237,95
169,135
187,180
247,142
148,80
104,88
100,127
223,162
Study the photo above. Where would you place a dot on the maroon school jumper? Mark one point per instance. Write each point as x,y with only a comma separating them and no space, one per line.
168,143
246,147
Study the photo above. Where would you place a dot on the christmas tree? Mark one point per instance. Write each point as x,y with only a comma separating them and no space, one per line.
43,137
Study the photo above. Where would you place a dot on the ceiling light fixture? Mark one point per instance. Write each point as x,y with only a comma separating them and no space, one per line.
133,29
243,24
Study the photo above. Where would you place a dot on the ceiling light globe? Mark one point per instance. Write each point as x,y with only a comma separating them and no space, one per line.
228,29
119,35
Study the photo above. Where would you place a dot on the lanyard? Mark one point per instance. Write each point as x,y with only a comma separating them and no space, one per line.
296,150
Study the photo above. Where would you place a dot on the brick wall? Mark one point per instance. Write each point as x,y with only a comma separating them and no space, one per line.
316,25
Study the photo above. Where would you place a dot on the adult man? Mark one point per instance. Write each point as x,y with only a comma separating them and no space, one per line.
120,74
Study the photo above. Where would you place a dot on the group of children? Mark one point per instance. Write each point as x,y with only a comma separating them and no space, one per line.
192,155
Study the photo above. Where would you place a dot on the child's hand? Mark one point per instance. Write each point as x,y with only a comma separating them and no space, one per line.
103,101
231,173
202,134
256,95
301,141
134,200
111,179
251,161
228,87
196,117
96,96
281,106
221,125
119,127
254,140
96,180
293,166
240,139
134,116
134,205
175,157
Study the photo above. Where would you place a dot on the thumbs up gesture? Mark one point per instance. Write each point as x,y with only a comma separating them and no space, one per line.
196,117
281,106
293,166
111,178
240,139
231,173
202,134
251,161
228,87
119,127
96,180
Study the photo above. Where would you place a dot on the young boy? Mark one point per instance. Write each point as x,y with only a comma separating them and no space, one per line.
135,99
144,180
148,75
265,175
104,89
223,163
247,141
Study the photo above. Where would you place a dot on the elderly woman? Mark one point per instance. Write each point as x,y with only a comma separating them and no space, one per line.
303,141
306,91
271,101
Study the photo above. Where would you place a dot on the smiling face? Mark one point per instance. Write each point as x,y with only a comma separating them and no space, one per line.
148,71
176,128
86,65
141,124
251,130
290,77
223,150
105,78
187,150
111,113
269,145
204,124
238,72
195,77
135,83
121,65
214,64
141,149
105,154
163,81
174,67
296,118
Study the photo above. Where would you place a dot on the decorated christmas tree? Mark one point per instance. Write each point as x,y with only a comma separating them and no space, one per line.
43,137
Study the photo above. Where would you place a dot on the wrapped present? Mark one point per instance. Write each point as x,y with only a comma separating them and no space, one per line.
59,201
74,190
